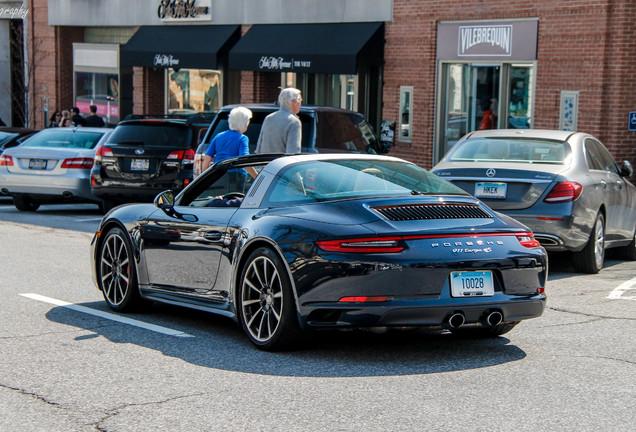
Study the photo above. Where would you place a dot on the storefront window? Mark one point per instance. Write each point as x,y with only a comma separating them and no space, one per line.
338,91
360,93
193,90
483,96
101,90
406,114
520,103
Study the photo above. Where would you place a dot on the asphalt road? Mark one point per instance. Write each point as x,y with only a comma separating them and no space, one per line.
63,367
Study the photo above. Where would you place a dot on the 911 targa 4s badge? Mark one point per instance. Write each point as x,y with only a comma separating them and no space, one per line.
323,242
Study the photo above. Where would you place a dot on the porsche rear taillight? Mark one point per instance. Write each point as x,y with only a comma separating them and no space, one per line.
6,160
564,192
79,163
398,243
363,245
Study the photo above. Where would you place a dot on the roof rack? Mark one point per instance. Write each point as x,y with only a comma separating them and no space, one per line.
190,118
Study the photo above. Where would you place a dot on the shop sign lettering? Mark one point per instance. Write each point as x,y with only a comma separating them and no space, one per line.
185,10
280,63
492,40
164,60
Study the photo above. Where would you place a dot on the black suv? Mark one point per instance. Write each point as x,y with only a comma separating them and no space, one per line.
324,130
145,155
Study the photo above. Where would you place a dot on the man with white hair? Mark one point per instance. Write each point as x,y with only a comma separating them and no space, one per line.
281,130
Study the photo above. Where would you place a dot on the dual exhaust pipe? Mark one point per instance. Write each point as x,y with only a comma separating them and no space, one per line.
490,319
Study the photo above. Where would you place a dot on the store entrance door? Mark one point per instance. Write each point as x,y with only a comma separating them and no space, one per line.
469,102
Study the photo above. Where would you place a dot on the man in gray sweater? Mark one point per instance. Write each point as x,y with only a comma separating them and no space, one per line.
281,130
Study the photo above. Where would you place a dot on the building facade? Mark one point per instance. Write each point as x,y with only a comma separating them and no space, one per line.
423,72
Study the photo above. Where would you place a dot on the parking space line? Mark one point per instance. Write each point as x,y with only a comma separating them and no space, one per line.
619,291
107,315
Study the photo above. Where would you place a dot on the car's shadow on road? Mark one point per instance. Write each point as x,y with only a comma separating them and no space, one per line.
219,343
560,264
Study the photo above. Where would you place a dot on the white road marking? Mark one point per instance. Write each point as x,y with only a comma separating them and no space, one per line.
619,291
110,316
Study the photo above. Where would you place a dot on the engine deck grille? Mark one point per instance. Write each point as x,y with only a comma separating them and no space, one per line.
432,211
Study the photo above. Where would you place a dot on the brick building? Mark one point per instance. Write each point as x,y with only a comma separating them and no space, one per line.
428,69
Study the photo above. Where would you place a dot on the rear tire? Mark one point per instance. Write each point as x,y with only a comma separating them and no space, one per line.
25,203
116,272
590,258
266,305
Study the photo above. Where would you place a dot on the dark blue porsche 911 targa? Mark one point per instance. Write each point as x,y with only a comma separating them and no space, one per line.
284,244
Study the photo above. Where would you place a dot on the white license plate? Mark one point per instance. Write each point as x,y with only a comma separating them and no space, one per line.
139,164
472,284
490,190
37,164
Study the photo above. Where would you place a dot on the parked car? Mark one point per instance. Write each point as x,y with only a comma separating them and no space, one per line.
146,155
323,241
51,166
324,130
565,186
13,136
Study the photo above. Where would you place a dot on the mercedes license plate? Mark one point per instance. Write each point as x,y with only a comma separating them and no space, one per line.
490,190
139,164
472,284
37,164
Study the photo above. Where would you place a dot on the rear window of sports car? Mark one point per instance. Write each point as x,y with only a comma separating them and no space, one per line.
510,150
318,181
64,138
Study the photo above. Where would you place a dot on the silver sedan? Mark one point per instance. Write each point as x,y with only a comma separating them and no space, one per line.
52,166
565,186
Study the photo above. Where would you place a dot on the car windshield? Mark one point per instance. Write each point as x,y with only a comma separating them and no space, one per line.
526,150
158,134
64,138
330,180
6,136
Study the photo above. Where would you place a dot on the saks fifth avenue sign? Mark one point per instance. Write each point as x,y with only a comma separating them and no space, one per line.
271,63
163,60
495,40
185,10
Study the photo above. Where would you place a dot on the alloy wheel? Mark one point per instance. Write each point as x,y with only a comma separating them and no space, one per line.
599,243
262,298
115,269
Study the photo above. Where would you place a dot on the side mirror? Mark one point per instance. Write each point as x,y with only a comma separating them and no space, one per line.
626,169
165,201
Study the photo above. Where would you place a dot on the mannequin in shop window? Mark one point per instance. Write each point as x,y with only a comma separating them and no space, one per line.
489,120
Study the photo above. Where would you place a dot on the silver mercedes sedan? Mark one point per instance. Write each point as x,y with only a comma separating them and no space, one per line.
52,166
565,186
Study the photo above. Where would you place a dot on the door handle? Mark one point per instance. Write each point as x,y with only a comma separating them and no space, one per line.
213,236
604,184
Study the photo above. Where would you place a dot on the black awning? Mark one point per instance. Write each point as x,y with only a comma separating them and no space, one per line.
183,46
309,48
